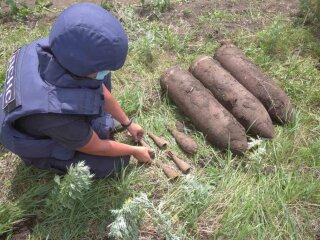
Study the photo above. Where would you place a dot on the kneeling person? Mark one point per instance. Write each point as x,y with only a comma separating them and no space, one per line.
57,106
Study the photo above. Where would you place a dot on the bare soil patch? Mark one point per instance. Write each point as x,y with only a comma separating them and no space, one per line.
60,4
49,15
22,229
186,15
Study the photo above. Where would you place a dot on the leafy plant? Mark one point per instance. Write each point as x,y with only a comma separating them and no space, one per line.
106,5
161,5
71,188
194,197
41,5
22,10
129,217
156,6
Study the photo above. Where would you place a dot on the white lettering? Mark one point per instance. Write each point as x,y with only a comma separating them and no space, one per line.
8,96
10,70
9,82
11,64
9,93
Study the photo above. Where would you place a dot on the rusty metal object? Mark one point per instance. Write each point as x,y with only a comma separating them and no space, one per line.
181,164
160,142
186,143
168,171
197,103
245,107
275,100
179,126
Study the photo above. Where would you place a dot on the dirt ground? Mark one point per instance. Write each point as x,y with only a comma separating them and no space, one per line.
64,3
197,7
189,12
59,4
186,15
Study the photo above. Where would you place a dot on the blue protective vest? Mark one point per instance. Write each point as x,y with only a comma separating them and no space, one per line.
37,83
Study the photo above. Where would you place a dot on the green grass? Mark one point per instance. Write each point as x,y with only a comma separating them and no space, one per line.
224,197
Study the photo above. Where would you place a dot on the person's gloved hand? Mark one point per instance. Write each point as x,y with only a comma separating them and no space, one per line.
136,132
142,154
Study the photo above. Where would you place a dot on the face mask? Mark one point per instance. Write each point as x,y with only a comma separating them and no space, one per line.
101,75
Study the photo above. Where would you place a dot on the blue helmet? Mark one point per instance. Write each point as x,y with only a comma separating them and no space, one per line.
86,38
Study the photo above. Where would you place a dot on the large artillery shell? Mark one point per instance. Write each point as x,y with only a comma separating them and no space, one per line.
245,107
206,113
160,142
182,165
251,77
186,143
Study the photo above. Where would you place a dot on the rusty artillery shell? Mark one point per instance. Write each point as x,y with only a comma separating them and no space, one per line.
275,100
182,165
245,107
185,142
179,126
160,142
218,125
168,171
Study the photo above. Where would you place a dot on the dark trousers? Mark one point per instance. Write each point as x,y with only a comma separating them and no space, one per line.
100,166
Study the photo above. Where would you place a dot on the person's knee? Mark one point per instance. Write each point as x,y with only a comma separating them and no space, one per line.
103,126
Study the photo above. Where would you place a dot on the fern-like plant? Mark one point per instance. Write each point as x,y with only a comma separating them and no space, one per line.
71,187
129,217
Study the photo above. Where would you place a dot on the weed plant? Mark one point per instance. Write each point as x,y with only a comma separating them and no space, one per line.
20,10
71,188
158,6
310,11
12,5
128,219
